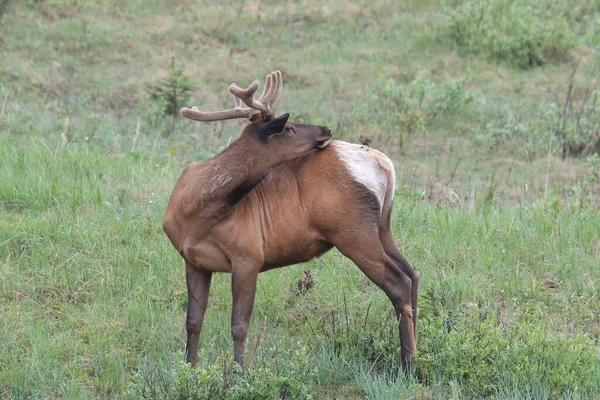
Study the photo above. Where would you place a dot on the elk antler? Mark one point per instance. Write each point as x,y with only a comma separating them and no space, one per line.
264,105
272,90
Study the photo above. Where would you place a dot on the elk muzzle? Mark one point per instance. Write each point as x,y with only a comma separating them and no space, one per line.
325,138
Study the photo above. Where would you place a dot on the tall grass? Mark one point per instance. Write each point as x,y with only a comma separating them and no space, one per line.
92,292
504,232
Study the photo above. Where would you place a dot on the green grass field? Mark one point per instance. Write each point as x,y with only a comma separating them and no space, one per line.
490,110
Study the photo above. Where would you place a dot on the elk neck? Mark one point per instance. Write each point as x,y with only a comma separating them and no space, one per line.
240,167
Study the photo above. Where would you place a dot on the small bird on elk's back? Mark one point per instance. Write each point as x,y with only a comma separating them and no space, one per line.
365,141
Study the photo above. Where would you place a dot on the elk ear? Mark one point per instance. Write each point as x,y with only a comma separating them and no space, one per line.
272,127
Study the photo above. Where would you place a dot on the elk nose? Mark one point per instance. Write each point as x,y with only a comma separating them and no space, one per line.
327,131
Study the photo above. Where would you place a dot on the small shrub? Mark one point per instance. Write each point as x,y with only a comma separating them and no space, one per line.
568,127
304,284
518,130
452,98
579,123
170,94
395,110
423,100
223,381
485,357
3,8
523,33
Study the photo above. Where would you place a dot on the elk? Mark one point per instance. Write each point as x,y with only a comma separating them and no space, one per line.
281,194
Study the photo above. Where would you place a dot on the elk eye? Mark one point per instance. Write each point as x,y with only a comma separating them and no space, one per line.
290,129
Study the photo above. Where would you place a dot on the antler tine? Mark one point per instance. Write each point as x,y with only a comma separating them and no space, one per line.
267,96
247,95
272,90
266,90
277,87
280,87
237,102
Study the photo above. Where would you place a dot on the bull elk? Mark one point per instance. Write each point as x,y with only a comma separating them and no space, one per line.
281,194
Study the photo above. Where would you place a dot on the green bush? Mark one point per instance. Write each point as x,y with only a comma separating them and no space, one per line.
474,348
515,131
524,33
421,97
487,356
579,129
549,126
396,110
170,94
223,380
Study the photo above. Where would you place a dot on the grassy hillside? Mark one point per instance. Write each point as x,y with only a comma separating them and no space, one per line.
489,109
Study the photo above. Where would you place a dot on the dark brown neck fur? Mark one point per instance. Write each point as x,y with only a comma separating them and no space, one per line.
240,168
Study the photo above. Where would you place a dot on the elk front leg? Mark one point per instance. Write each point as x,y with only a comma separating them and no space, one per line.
243,288
198,285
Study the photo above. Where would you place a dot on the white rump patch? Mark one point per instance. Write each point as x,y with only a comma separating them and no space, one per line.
370,167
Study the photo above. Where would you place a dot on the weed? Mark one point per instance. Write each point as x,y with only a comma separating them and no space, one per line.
521,32
387,386
569,130
486,357
3,8
304,284
222,380
406,109
171,93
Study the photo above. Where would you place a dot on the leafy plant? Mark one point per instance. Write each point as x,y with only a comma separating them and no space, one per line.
450,99
523,33
569,129
578,124
405,110
171,93
3,8
488,355
515,131
222,380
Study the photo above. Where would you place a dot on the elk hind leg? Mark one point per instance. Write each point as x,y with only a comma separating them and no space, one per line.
369,255
387,240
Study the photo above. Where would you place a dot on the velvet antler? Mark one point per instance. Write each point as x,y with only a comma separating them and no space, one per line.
264,105
270,94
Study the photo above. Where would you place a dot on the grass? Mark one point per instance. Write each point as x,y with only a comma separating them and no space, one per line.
505,232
